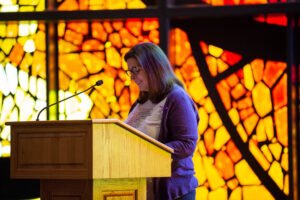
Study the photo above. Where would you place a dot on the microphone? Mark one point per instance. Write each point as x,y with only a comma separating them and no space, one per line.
98,83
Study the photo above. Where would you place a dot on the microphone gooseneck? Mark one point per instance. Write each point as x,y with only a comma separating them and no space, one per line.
98,83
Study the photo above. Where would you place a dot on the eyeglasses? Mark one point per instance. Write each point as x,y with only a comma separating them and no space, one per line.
133,71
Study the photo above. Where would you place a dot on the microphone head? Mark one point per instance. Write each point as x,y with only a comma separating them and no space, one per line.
100,82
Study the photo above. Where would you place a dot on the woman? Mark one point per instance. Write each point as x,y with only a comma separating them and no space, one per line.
165,112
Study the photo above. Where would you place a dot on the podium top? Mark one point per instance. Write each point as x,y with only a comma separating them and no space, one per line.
94,121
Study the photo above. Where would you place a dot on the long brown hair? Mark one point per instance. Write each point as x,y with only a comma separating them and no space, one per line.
160,75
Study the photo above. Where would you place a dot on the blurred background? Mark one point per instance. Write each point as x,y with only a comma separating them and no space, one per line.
238,59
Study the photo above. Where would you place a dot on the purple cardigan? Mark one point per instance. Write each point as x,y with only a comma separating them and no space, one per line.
179,131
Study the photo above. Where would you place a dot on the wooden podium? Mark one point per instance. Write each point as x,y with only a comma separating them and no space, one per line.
87,159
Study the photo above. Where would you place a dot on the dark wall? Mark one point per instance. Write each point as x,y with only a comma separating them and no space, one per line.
13,189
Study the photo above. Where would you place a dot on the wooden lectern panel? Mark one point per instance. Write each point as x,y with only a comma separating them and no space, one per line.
45,150
120,154
87,159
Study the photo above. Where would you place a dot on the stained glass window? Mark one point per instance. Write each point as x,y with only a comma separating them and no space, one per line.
22,75
243,148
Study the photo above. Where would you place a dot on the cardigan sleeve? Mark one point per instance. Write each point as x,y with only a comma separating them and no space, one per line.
182,123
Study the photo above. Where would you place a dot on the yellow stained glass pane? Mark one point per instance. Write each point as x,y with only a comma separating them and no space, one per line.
261,193
245,174
213,177
263,105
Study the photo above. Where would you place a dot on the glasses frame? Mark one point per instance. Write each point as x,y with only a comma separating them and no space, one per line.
133,71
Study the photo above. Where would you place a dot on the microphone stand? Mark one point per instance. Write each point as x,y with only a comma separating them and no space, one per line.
100,82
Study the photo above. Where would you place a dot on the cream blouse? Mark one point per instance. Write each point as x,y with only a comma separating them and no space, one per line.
146,117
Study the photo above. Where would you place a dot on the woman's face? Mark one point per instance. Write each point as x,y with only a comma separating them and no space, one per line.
137,74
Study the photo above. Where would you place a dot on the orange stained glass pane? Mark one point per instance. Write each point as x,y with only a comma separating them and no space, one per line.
100,4
92,62
150,24
245,113
154,36
230,57
273,71
101,103
224,165
209,140
78,27
12,30
244,103
68,5
64,81
281,125
119,85
115,40
127,38
262,100
134,26
98,31
83,4
279,93
224,93
232,80
111,72
92,45
73,37
232,185
67,47
117,25
16,54
108,27
222,66
71,64
233,151
124,100
182,48
238,91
